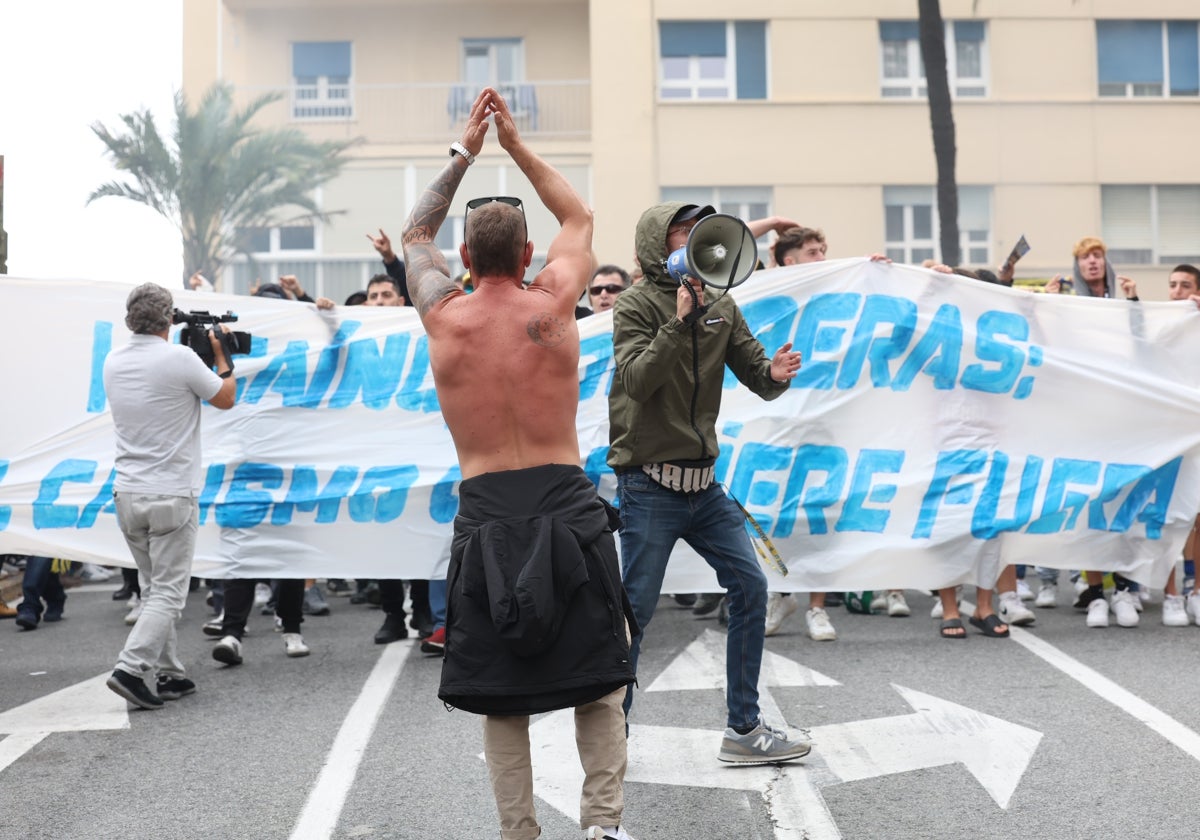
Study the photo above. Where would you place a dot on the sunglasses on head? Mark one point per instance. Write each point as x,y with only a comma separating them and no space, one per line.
511,201
611,288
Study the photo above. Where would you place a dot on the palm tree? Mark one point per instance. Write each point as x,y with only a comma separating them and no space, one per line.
941,119
219,176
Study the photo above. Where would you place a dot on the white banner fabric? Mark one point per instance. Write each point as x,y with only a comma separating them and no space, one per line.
939,427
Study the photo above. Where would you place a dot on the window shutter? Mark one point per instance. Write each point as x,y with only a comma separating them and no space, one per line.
1125,218
1129,51
321,58
898,30
750,45
682,38
1184,57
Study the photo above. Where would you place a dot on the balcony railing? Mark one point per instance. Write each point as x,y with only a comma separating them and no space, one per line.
419,113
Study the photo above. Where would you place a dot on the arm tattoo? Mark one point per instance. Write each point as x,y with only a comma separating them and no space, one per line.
428,274
546,329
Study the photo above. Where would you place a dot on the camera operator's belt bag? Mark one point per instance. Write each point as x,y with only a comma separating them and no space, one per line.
682,477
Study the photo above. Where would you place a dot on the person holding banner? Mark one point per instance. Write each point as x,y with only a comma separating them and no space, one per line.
155,389
536,618
663,405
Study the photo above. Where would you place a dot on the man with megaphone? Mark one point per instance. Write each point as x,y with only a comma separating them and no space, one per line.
673,335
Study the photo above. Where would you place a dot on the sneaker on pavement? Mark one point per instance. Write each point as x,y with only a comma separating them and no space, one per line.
1193,606
214,626
879,603
262,594
897,607
228,651
707,602
1080,585
134,690
293,645
435,642
337,586
779,606
1124,607
762,745
54,612
392,630
135,610
314,601
1097,613
820,628
26,619
1174,613
1014,611
1023,590
172,688
598,833
1047,597
93,573
1088,597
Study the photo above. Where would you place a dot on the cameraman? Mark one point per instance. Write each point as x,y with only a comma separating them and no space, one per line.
155,389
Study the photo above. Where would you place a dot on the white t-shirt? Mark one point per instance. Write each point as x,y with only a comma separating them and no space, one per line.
155,388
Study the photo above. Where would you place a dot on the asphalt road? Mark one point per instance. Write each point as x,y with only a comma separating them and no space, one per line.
1059,732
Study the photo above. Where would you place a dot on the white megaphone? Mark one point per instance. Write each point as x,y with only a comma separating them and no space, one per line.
720,252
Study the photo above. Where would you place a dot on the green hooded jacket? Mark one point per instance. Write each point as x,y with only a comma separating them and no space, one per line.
650,405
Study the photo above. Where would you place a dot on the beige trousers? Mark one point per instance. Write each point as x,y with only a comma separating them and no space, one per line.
600,739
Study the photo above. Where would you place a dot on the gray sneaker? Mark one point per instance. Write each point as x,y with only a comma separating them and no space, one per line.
314,601
762,745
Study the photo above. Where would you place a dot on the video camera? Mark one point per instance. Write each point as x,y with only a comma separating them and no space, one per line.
195,335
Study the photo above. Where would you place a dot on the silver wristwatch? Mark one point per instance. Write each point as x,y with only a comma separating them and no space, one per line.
457,148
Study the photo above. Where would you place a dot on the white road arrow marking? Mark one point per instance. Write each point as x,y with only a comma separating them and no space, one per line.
84,706
995,751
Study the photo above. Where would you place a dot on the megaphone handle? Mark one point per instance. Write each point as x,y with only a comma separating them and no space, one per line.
698,308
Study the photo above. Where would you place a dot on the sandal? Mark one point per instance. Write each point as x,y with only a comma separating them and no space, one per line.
990,626
951,624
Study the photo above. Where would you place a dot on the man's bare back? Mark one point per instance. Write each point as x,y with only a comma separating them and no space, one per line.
505,358
506,363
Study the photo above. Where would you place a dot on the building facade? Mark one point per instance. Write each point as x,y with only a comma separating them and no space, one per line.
1073,117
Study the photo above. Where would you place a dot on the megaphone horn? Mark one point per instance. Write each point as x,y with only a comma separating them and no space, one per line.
720,252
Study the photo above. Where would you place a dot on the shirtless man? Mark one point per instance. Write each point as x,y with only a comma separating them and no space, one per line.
505,363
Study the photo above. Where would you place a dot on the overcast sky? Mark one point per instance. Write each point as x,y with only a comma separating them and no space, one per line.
65,64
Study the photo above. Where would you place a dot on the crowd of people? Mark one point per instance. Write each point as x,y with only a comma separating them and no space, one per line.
536,613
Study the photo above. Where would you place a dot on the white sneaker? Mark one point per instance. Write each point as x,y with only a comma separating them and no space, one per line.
1080,585
93,573
1014,611
293,645
879,602
262,594
936,611
215,625
1124,607
1175,612
1193,606
820,629
897,607
598,833
1097,613
1143,598
779,606
135,610
1023,590
228,650
1047,596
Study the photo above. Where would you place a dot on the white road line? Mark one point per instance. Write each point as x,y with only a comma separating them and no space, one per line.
1104,688
324,806
16,745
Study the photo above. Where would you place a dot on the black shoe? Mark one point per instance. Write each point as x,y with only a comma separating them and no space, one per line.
686,599
423,624
393,630
193,584
1088,595
26,620
54,612
134,690
337,586
172,688
124,593
368,594
707,602
834,599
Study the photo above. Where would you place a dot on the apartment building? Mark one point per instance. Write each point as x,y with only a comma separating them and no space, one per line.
1074,117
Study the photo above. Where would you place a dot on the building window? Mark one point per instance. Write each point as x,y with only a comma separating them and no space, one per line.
321,81
1154,58
903,72
747,203
912,231
706,60
497,63
273,241
1151,225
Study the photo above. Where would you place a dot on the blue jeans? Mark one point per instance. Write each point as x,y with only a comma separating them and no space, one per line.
653,519
39,582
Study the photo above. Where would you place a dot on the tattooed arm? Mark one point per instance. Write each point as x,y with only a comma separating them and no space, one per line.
428,274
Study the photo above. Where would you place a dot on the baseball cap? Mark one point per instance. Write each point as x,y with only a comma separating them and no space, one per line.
692,211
